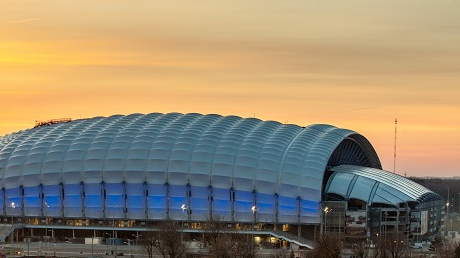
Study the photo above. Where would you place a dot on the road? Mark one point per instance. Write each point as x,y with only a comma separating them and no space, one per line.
77,250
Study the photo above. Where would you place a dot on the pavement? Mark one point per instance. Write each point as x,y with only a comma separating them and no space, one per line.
76,250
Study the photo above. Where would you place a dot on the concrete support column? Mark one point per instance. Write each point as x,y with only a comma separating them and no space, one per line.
314,233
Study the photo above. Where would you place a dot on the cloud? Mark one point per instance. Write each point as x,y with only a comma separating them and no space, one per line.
24,20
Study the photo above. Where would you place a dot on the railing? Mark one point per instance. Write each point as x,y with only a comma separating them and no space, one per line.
6,230
52,121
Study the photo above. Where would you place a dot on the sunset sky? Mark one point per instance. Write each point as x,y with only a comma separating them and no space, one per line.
355,64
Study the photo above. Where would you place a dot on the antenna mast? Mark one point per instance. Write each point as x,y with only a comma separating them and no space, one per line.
394,157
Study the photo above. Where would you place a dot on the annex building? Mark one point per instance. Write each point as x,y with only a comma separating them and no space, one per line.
280,181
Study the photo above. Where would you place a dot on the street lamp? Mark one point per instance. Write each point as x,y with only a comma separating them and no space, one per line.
135,242
110,242
326,211
183,207
253,209
12,222
112,239
447,216
136,239
46,224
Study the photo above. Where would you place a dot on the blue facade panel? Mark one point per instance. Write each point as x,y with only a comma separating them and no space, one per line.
135,201
266,207
156,201
114,200
52,198
288,209
72,200
310,211
32,201
243,206
199,203
221,204
93,200
13,196
177,198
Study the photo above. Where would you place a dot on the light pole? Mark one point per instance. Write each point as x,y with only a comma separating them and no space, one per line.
183,207
92,245
135,242
46,225
12,223
385,229
110,242
326,211
253,209
136,239
447,217
112,239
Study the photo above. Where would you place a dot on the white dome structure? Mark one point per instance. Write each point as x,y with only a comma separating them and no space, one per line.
145,167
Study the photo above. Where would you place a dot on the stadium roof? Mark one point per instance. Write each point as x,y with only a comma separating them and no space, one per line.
375,186
198,149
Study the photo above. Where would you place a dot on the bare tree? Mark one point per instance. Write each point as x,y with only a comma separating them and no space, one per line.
396,249
213,229
224,244
457,251
241,247
361,250
221,246
379,250
327,246
447,249
166,239
281,253
148,242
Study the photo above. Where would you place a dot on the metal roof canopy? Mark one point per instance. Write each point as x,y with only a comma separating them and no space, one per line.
376,186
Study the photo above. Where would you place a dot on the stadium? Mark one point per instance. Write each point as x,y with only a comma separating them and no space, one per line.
283,183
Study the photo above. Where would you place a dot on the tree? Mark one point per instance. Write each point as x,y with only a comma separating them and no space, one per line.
457,251
282,253
224,244
148,242
361,250
396,249
221,246
166,239
216,238
378,251
241,247
327,246
447,248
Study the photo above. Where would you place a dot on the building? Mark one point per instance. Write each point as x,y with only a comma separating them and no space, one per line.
131,171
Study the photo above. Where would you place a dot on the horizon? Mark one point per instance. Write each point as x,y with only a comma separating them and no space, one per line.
357,65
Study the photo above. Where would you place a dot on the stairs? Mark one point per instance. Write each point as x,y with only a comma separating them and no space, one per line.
6,230
293,238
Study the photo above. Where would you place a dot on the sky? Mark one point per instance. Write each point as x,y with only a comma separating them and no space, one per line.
354,64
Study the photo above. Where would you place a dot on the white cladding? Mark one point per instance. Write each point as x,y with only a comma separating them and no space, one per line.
198,151
374,186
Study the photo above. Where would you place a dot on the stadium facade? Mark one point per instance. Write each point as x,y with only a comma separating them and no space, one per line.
138,168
